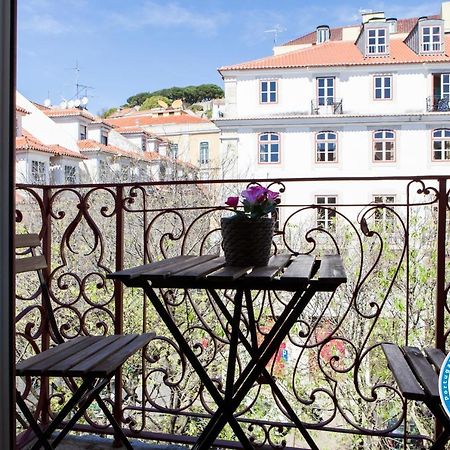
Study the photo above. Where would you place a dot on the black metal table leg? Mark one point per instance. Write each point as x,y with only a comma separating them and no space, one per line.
199,369
256,366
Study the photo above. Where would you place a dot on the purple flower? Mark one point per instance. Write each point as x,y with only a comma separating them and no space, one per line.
254,194
232,201
271,195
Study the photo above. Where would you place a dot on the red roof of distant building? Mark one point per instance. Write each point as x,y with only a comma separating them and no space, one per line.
403,26
89,145
28,142
148,120
340,53
22,110
58,112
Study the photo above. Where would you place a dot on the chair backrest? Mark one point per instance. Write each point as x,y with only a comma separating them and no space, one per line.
32,260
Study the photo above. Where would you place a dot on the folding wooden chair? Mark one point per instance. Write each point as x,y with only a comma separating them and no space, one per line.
94,359
417,377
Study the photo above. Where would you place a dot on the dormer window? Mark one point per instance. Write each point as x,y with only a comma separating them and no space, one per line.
376,41
323,34
431,39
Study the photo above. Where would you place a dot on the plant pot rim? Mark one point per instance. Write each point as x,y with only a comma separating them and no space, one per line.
239,218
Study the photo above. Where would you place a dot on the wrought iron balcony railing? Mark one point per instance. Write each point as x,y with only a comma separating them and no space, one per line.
330,367
326,106
438,103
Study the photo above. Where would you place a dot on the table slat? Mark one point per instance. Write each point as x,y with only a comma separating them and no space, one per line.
276,263
178,266
228,273
134,272
332,269
301,269
202,269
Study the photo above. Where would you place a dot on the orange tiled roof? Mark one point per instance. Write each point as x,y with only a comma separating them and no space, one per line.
133,130
89,145
28,142
58,112
22,110
403,26
138,120
340,53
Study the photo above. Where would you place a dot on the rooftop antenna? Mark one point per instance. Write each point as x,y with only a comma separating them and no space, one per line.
81,95
276,31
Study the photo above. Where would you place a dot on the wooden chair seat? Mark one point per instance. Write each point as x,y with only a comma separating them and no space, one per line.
417,376
94,359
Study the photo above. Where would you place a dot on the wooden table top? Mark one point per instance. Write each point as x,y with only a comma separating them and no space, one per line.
284,272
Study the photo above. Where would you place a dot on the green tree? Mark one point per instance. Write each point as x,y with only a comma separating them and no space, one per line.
152,102
107,112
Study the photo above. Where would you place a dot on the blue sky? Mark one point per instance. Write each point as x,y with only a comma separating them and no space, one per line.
126,47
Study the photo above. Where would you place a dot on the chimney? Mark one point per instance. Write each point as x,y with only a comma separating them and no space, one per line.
369,15
445,16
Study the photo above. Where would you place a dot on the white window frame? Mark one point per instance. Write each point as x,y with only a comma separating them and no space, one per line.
433,46
326,147
326,216
204,153
38,172
440,138
323,35
383,217
104,138
374,45
385,88
326,90
269,148
83,132
70,178
268,91
384,143
173,150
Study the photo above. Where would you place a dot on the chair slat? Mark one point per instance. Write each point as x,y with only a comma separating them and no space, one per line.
27,241
88,363
403,374
52,354
30,263
435,356
117,358
423,370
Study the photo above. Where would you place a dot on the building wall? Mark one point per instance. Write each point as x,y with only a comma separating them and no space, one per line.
412,84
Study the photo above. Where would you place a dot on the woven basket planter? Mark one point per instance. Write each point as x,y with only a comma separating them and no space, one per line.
247,242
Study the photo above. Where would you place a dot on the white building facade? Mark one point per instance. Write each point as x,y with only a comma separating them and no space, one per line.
368,100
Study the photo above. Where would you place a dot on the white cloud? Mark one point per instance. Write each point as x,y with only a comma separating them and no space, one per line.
169,15
44,23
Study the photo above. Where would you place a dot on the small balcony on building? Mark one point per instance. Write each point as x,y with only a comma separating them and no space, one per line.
438,103
326,106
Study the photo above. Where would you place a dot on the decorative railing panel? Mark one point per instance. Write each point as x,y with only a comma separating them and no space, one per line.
331,366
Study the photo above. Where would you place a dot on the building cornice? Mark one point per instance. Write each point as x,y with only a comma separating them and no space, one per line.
441,118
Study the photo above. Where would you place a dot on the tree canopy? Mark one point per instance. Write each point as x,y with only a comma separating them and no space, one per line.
189,94
152,102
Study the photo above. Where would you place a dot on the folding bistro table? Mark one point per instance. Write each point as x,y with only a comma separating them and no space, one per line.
303,276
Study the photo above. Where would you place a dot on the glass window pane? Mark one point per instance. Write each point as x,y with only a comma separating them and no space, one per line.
264,97
273,97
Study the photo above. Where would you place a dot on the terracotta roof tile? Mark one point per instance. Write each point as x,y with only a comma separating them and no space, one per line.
138,120
28,142
58,112
22,110
89,145
403,26
340,54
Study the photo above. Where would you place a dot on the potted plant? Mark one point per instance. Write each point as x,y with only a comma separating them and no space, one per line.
247,235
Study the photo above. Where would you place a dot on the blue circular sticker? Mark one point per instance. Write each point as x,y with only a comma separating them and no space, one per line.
444,391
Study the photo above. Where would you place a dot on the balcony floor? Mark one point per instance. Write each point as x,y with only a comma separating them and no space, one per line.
100,443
